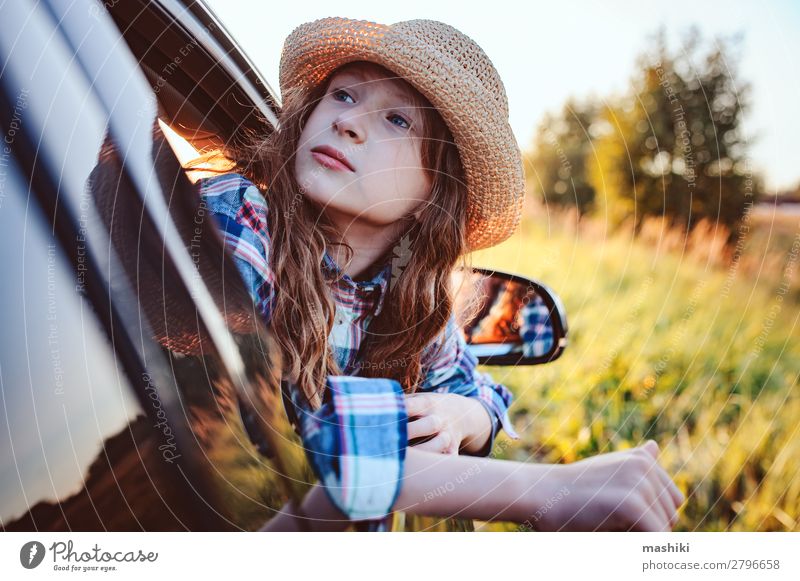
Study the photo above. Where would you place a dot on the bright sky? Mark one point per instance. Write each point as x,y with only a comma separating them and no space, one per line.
546,52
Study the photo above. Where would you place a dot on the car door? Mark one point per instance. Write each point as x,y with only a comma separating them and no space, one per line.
139,391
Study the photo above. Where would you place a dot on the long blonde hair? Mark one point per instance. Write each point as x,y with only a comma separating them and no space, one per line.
419,301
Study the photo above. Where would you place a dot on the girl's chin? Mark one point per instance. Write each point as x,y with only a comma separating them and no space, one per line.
330,202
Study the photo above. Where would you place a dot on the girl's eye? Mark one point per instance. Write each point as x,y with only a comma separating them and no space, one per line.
400,121
342,95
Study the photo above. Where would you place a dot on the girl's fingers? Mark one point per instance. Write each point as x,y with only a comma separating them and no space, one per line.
647,520
439,444
651,447
661,487
668,489
669,496
424,426
666,510
657,504
417,404
674,492
671,492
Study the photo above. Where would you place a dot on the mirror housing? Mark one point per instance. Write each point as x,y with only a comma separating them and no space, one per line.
508,319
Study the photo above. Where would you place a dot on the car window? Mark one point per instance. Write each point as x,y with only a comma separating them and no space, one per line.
193,366
77,449
249,484
208,92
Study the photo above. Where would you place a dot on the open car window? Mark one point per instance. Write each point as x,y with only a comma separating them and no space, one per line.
196,374
208,91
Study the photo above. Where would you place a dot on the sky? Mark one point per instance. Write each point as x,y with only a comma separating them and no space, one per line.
546,52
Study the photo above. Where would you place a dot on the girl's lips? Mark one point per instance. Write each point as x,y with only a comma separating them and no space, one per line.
327,157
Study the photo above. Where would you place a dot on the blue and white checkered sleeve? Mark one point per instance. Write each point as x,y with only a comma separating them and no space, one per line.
536,329
240,211
356,443
451,368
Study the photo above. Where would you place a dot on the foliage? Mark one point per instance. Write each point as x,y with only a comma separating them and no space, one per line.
673,339
672,145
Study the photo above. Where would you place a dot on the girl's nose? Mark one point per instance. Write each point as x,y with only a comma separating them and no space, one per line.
351,126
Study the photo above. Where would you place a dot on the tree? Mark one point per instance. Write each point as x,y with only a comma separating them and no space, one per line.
673,144
556,169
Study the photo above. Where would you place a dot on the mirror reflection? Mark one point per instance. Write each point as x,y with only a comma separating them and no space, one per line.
500,315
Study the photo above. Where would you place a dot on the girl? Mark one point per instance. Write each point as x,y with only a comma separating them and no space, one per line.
393,159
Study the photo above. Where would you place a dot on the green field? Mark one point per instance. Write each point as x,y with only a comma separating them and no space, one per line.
673,338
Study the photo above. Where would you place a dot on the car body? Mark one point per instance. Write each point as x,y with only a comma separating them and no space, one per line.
139,391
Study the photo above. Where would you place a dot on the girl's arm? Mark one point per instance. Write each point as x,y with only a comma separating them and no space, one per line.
624,490
240,212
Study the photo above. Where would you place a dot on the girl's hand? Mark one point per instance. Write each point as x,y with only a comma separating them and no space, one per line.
448,421
624,490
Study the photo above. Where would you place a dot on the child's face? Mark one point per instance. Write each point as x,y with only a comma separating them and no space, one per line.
370,120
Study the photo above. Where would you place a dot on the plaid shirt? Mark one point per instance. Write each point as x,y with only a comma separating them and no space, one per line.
356,441
536,330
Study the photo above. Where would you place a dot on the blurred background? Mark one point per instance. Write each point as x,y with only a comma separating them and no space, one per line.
663,206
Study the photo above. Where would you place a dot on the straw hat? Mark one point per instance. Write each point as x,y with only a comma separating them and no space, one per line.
456,77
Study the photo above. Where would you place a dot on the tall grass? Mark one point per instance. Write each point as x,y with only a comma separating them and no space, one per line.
673,337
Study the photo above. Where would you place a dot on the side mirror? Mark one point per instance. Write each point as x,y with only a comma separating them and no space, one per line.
508,319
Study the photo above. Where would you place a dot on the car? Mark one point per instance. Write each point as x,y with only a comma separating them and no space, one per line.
139,392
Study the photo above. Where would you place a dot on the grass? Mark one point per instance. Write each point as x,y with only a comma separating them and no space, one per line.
675,338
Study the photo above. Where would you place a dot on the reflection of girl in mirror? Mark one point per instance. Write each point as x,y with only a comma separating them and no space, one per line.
535,326
499,325
394,159
480,292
